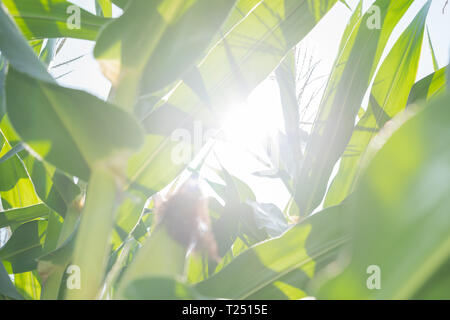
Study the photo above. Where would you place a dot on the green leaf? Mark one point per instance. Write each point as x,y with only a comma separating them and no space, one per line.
347,85
346,4
36,45
48,52
389,95
240,11
93,248
25,246
429,87
27,283
290,144
40,19
16,189
352,25
54,188
159,288
2,82
241,217
68,128
12,152
121,3
54,227
267,33
400,219
160,256
60,256
21,215
282,267
142,48
15,48
105,7
7,288
269,218
433,54
52,265
437,286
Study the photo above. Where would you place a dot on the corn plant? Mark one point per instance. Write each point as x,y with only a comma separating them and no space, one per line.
94,207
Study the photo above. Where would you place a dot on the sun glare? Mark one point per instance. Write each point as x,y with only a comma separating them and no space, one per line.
250,124
246,130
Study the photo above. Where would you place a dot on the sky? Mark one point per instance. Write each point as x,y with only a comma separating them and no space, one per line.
263,111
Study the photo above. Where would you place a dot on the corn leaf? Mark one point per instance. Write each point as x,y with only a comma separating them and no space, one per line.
400,217
282,267
68,128
429,87
21,215
24,246
105,7
17,51
53,187
347,85
160,288
143,46
40,19
16,189
7,288
389,96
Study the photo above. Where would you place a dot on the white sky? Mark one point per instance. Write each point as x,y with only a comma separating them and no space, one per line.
264,105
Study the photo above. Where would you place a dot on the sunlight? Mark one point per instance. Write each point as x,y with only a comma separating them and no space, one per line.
250,124
235,150
246,130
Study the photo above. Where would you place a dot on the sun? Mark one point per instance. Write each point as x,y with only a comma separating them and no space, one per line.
250,124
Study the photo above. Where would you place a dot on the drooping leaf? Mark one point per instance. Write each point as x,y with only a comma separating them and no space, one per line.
68,128
282,267
400,219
